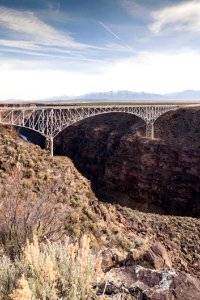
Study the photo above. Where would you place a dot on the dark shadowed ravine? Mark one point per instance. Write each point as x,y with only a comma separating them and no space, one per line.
160,175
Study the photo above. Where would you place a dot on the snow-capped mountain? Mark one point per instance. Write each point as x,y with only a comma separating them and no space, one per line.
130,96
121,96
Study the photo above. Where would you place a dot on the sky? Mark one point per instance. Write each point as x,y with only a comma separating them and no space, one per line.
71,47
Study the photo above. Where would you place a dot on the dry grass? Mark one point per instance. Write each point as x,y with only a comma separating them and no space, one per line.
22,212
51,271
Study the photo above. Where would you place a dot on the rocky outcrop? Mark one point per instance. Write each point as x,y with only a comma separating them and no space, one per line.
158,257
155,256
141,283
160,175
134,281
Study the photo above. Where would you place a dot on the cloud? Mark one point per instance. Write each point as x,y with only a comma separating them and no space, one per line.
27,34
155,72
118,48
147,71
133,8
180,17
32,28
19,44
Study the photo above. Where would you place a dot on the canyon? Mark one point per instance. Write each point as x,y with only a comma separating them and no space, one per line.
160,175
145,226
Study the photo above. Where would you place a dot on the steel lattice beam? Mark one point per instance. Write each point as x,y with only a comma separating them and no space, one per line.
51,121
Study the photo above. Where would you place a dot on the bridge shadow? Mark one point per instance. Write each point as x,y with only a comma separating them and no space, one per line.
31,136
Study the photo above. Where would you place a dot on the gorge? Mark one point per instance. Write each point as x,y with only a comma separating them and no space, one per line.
146,252
160,175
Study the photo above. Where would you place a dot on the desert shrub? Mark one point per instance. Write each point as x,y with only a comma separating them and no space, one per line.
22,212
8,275
51,271
29,173
23,291
29,163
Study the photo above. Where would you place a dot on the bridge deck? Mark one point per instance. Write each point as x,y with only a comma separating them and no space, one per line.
95,105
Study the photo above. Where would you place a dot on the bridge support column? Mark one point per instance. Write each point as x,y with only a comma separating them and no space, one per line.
49,145
150,130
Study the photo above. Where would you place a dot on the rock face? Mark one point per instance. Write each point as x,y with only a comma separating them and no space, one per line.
129,279
160,175
142,283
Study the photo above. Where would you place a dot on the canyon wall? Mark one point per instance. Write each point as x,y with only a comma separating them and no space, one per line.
160,175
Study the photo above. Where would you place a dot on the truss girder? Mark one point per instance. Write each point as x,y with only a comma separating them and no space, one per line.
51,121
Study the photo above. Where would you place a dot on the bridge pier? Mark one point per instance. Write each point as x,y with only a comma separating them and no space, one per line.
49,145
46,143
150,130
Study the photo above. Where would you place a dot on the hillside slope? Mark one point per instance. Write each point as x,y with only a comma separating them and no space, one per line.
29,178
31,172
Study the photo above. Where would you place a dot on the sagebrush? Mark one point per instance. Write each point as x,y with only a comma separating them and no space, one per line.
59,270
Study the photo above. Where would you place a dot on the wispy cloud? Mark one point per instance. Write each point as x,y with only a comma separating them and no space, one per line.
118,47
27,34
19,44
183,16
34,29
133,7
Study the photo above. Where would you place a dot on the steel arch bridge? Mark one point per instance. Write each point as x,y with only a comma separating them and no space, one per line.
50,121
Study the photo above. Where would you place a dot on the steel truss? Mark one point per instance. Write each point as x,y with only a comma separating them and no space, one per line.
51,121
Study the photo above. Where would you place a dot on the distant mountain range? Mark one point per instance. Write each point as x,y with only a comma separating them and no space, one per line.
123,96
130,96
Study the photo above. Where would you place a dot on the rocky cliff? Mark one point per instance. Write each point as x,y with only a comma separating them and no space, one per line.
144,255
160,175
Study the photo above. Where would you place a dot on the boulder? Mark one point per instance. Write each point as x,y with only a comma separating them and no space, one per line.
110,259
158,257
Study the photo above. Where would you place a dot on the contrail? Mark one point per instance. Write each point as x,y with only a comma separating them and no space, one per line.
109,30
116,36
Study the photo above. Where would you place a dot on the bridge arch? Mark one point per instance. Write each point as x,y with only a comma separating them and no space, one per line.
50,121
97,114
